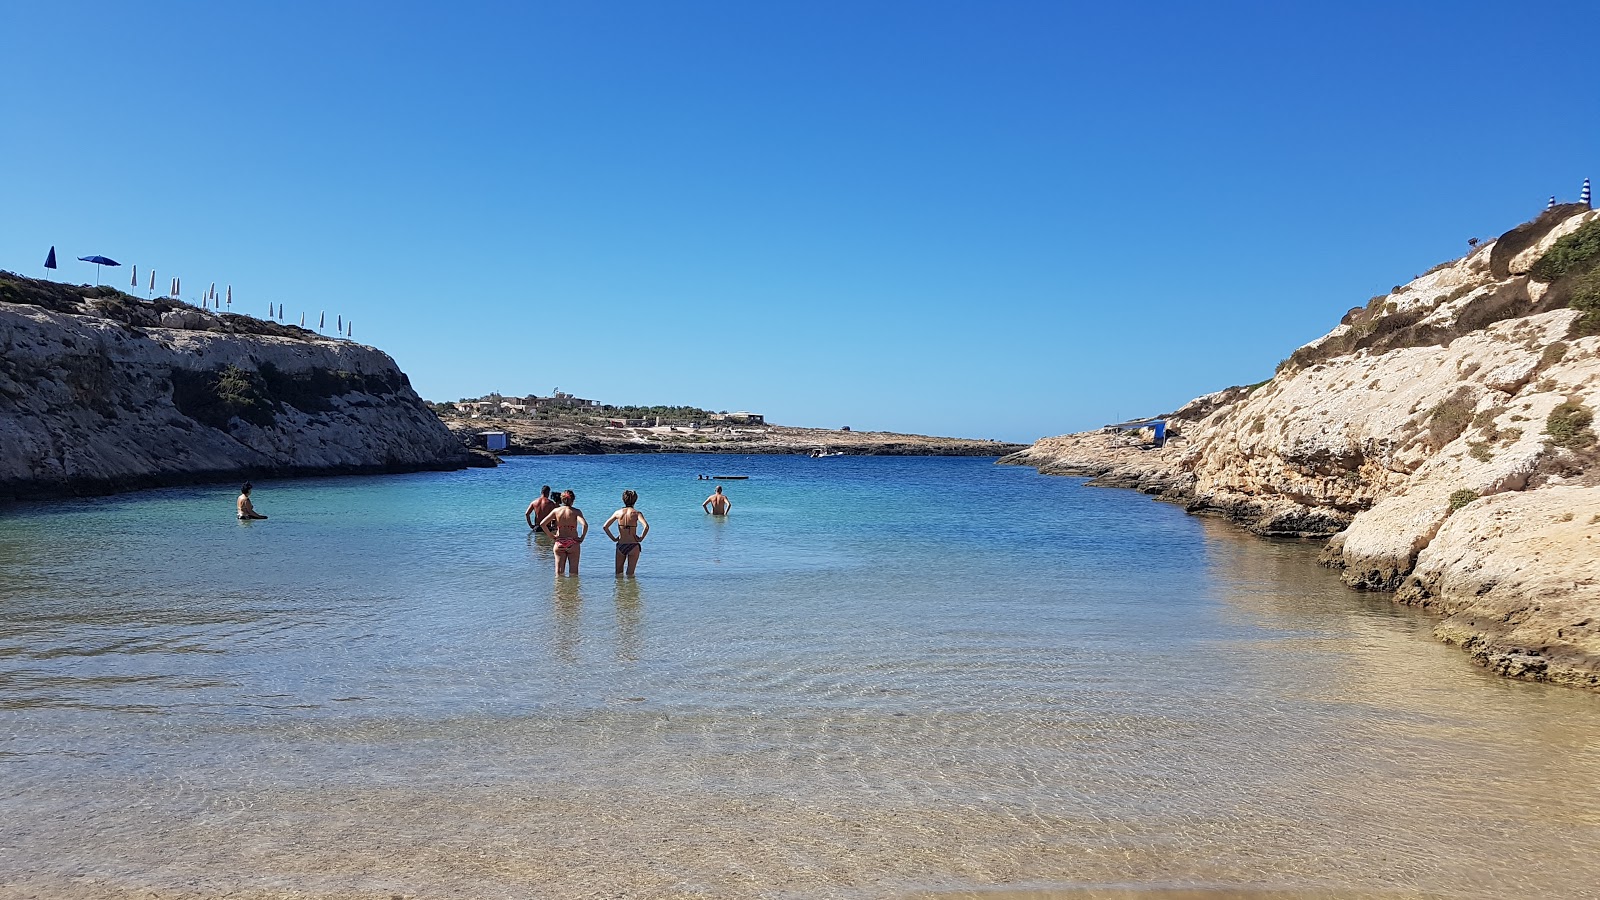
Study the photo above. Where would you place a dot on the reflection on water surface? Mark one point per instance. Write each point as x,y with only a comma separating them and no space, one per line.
918,678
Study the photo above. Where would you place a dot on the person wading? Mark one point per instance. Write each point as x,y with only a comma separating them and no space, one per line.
718,503
568,528
247,510
628,537
541,506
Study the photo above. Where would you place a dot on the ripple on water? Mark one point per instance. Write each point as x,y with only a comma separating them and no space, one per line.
386,690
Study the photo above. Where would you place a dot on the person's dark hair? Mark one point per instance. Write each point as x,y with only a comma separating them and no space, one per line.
629,498
719,488
544,491
567,498
247,488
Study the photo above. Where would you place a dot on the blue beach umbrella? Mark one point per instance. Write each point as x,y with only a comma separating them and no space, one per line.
98,262
50,261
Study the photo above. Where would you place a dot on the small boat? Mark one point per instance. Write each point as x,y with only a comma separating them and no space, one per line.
730,477
820,453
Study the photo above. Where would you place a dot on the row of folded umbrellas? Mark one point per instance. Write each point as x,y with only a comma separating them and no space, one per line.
208,299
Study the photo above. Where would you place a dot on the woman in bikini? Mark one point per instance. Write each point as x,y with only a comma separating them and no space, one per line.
628,536
567,526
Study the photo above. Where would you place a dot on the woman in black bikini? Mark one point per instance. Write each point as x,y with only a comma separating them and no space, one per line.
628,537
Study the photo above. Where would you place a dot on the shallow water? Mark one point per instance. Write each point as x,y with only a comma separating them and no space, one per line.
878,677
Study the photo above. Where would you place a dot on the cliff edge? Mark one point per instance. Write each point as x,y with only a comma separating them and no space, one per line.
1441,437
101,391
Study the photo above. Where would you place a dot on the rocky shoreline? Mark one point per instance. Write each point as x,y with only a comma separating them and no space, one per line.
1440,439
539,438
101,392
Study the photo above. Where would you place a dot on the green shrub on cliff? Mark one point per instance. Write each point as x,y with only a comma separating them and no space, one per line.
1448,419
1574,254
216,398
1462,498
1586,298
1568,425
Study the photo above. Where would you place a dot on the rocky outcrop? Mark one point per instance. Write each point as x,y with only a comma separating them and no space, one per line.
1440,437
99,393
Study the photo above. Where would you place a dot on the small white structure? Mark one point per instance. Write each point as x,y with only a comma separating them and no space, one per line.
493,440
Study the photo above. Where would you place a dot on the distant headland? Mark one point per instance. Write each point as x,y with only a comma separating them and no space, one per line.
563,423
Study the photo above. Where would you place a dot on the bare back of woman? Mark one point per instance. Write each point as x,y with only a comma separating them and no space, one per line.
568,528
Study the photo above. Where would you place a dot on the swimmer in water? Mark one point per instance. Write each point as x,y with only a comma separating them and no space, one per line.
628,537
567,526
717,504
247,510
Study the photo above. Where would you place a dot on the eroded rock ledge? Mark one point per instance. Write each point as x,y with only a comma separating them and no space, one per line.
1441,439
100,392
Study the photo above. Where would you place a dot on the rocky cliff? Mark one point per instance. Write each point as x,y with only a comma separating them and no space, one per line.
1440,437
100,391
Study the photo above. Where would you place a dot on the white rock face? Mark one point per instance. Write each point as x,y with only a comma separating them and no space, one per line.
88,404
1440,390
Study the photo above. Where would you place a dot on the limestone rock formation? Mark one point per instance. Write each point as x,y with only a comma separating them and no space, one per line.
103,392
1439,436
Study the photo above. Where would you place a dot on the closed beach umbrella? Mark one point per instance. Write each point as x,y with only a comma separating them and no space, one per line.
135,281
98,262
322,319
349,329
302,320
50,259
152,281
338,324
230,295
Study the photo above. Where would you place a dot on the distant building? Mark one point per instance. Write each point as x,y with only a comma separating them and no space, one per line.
560,400
492,440
740,418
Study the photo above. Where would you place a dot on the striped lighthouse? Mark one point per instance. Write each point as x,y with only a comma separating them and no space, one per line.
1584,196
1552,204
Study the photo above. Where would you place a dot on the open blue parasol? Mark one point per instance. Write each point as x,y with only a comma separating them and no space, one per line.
98,262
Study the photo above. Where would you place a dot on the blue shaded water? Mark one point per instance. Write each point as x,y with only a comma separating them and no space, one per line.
877,677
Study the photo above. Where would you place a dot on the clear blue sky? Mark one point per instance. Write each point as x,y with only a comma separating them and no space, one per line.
1002,220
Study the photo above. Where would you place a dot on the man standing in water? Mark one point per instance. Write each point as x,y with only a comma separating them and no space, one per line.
247,511
717,504
541,506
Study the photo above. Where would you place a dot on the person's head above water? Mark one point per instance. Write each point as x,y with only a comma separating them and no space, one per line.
629,498
567,497
247,487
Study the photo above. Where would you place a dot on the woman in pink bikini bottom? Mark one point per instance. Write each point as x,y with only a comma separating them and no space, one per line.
567,526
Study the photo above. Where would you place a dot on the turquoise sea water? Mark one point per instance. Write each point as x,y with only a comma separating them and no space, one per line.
877,677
